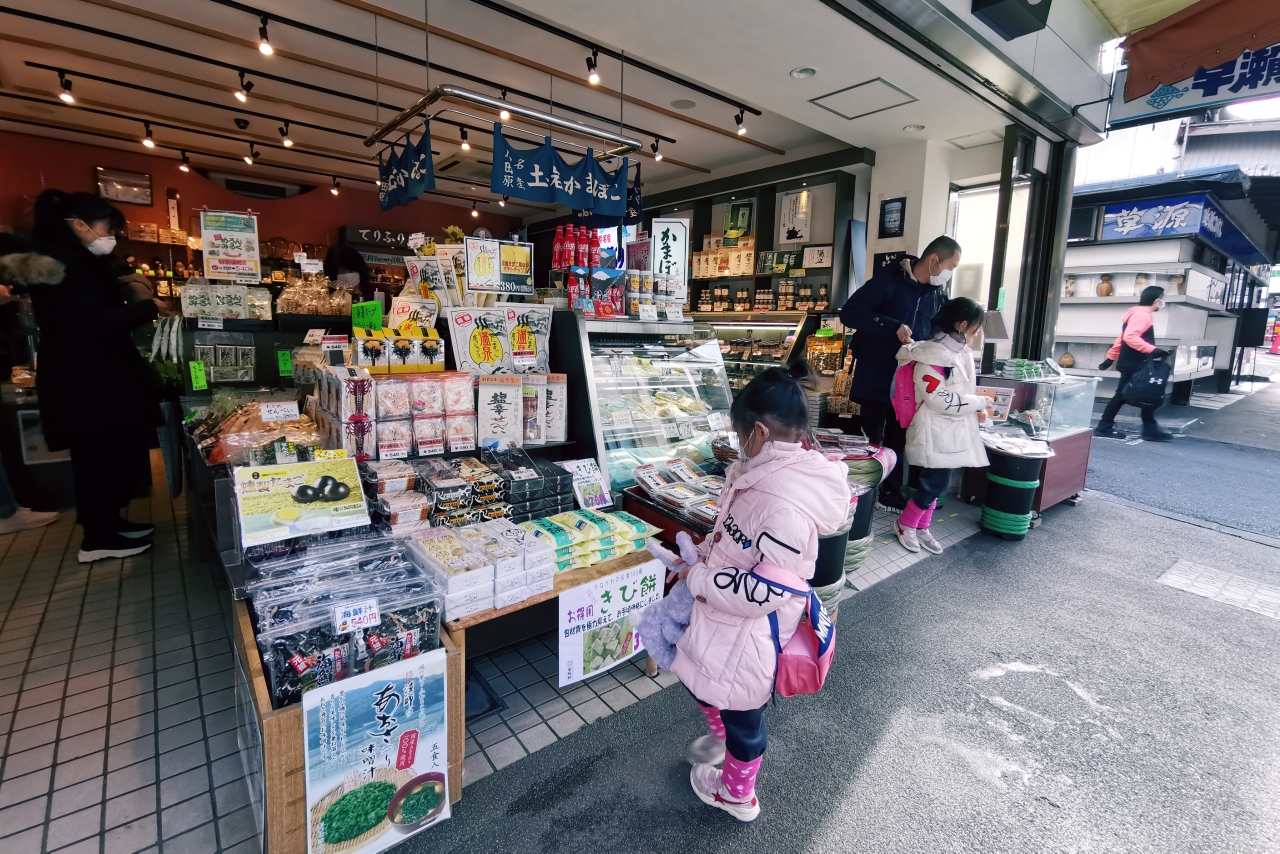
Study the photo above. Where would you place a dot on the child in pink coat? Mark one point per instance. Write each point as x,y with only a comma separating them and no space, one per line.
775,504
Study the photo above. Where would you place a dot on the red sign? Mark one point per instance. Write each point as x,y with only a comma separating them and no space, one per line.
408,750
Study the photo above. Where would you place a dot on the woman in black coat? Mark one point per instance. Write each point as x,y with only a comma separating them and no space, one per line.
98,396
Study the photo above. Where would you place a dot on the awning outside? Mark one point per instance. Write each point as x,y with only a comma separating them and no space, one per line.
1204,35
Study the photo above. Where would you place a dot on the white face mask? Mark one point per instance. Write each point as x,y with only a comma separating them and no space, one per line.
103,245
941,279
348,280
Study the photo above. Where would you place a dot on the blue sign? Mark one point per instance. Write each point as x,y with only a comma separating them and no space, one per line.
541,175
1195,215
408,174
1252,74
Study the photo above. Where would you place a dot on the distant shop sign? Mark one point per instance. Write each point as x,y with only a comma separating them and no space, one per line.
1177,216
1252,74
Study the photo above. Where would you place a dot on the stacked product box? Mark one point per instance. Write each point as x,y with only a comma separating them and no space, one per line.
582,538
466,576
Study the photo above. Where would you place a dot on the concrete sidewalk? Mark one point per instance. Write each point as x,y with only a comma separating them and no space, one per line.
1047,695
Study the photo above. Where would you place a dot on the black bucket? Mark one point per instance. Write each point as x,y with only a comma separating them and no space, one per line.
1013,500
862,516
830,563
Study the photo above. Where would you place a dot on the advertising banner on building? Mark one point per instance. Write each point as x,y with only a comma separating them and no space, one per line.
377,760
541,175
596,632
1252,74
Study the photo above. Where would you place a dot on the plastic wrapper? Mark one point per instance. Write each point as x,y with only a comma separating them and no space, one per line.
635,526
683,471
521,478
301,553
496,510
712,483
410,625
704,510
553,534
302,657
459,393
454,518
402,507
460,432
426,392
456,567
394,398
505,557
387,477
276,599
394,439
536,551
359,439
591,526
428,435
448,492
680,495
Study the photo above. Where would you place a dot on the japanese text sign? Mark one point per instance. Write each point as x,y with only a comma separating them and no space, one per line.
670,253
1252,74
542,175
408,174
596,625
1180,215
230,244
366,315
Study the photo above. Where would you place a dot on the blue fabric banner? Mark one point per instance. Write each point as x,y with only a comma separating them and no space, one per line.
409,174
541,175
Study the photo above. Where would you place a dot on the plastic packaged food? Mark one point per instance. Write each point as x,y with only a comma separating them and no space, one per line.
405,507
712,483
553,534
590,526
505,556
449,492
426,393
387,477
448,552
454,518
683,471
651,479
409,625
428,435
460,432
394,398
635,526
705,510
680,495
536,551
459,393
394,439
510,597
303,657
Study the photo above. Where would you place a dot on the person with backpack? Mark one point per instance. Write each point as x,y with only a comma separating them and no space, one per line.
749,584
936,400
1133,348
893,308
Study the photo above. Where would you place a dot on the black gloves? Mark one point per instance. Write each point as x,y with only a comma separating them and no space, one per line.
1105,364
1157,353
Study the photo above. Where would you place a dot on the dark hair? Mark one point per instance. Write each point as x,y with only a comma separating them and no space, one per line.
956,311
943,246
775,398
344,259
1150,294
54,207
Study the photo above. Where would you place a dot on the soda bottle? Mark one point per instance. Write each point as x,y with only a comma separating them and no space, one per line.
584,247
572,288
557,248
594,256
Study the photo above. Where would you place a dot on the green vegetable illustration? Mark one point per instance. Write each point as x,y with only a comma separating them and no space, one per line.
419,804
357,812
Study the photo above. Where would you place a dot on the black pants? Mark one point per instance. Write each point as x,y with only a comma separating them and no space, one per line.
1107,421
744,732
107,470
880,423
929,484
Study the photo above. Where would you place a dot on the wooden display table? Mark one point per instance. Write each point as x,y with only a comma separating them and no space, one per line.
271,741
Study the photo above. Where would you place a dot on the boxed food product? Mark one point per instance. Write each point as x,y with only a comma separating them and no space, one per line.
429,352
402,350
712,483
370,350
534,419
543,584
457,567
359,440
500,407
537,553
404,507
428,435
478,593
387,477
559,480
394,439
426,394
504,556
454,518
405,530
460,432
351,394
456,611
394,398
449,492
510,597
705,510
651,479
490,511
459,393
557,405
510,581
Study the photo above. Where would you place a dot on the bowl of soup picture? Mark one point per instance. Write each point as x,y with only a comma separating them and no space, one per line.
418,802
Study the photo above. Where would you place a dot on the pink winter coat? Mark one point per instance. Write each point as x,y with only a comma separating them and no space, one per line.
773,508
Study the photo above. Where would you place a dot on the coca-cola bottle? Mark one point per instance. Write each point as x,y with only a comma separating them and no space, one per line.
594,249
572,288
584,246
557,249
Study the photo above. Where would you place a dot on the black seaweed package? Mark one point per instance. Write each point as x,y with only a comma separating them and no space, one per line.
303,657
410,625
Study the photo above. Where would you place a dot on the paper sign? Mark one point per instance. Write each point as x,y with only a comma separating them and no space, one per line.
670,430
595,628
284,360
282,411
337,454
622,418
589,485
355,614
313,336
334,342
199,382
312,265
209,323
685,429
675,312
1001,399
366,315
230,245
299,257
648,312
715,421
281,502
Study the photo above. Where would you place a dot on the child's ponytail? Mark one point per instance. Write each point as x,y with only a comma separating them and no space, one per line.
955,311
775,398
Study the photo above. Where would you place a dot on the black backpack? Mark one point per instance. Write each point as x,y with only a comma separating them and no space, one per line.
1145,388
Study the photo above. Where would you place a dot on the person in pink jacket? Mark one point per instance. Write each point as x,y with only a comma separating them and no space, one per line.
774,505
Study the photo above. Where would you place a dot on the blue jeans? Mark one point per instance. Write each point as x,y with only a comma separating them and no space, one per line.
933,483
8,503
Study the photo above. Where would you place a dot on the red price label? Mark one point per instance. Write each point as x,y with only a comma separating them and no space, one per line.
408,750
462,319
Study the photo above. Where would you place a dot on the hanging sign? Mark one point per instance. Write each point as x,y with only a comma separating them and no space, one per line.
381,237
230,243
671,250
635,202
375,744
595,625
541,175
408,174
1251,74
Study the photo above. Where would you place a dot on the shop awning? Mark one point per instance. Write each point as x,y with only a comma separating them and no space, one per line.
1201,36
1225,182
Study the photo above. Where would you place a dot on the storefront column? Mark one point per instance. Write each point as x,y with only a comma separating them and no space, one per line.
1044,254
920,173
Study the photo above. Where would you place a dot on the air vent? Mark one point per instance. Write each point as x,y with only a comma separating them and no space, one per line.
864,99
975,140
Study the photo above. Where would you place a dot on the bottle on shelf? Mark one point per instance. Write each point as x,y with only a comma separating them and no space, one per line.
583,247
594,249
572,287
557,249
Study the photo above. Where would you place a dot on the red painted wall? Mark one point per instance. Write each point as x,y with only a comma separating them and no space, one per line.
30,164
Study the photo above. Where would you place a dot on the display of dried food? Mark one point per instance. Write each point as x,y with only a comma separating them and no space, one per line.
302,657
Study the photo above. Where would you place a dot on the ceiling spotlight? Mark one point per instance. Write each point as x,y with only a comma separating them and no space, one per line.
474,212
466,146
593,76
185,166
264,44
242,94
284,135
147,140
803,72
336,185
252,155
66,89
505,114
657,155
913,128
502,202
742,129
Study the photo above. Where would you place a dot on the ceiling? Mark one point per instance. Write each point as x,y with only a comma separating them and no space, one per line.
174,63
1126,17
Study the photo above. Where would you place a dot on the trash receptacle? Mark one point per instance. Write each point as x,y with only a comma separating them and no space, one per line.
1011,489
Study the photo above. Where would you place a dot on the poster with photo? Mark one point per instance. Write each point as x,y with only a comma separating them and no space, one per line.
280,502
1001,399
376,756
484,266
230,244
595,621
793,226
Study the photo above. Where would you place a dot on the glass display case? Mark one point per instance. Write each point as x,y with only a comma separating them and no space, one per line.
1047,407
658,400
752,342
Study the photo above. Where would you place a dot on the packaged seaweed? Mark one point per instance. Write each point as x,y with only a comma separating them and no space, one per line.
409,625
303,657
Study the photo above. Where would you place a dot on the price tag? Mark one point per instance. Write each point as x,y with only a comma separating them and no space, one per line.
670,430
299,257
367,315
321,454
675,312
648,312
715,421
284,360
199,382
313,336
463,443
209,323
615,366
354,615
664,369
282,411
247,279
312,265
622,418
685,429
333,342
523,473
733,440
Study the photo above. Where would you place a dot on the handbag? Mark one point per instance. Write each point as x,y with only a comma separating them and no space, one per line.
806,659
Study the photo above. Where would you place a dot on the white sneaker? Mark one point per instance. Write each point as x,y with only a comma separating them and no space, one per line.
706,749
906,536
26,519
927,541
705,780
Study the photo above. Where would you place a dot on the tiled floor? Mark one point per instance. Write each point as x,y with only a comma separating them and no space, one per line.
116,698
538,712
951,523
1224,587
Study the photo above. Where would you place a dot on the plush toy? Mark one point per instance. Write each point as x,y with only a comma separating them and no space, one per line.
663,623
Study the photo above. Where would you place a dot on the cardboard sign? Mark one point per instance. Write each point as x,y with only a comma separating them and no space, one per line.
199,382
334,342
355,614
366,315
313,336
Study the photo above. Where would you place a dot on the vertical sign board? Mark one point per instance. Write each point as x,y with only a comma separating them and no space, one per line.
596,632
670,252
377,761
230,244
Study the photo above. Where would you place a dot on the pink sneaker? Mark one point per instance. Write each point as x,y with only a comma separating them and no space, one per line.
705,780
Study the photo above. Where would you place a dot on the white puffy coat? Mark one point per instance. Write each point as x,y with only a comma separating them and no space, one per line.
944,432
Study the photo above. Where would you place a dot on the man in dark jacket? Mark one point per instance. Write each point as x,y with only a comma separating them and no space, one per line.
893,308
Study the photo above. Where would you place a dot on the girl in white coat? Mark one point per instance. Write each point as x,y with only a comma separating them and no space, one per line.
943,434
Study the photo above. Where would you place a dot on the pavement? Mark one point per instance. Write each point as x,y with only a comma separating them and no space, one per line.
1046,695
1253,421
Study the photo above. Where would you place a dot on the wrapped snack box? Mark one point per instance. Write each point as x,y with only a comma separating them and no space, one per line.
401,507
457,567
370,350
460,432
388,477
351,394
557,406
394,439
428,435
426,394
358,439
402,350
459,393
522,479
506,558
394,398
454,518
449,492
510,597
537,553
455,611
429,355
529,335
